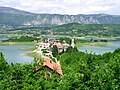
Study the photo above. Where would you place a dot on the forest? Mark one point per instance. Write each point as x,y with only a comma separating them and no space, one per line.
81,71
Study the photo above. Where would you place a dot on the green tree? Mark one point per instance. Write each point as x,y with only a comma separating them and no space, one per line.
71,49
55,51
3,63
75,49
81,71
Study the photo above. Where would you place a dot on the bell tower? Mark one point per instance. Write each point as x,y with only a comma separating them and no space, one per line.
72,43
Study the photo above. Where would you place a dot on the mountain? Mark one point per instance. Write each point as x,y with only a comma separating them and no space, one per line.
13,17
12,10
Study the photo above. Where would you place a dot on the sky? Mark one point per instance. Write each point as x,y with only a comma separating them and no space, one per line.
71,7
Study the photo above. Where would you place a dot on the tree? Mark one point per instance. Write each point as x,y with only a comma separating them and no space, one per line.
3,63
75,49
71,49
55,51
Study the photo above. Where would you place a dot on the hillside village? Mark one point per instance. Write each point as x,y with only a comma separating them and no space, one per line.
44,49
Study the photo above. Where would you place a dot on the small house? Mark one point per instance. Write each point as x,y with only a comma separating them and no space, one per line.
52,65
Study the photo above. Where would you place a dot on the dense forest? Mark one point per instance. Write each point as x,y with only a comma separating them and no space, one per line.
81,71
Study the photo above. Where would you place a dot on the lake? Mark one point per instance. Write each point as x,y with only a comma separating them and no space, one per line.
13,54
100,49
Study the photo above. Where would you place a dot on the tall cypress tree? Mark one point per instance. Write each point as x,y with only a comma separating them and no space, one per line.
55,51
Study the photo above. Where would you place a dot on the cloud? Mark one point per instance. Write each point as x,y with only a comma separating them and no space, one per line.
65,6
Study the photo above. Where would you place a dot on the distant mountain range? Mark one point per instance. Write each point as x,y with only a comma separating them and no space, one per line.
13,17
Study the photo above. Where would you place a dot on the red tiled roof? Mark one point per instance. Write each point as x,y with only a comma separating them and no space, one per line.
59,45
52,65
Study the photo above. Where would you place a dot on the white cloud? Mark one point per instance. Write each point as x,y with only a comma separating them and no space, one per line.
65,6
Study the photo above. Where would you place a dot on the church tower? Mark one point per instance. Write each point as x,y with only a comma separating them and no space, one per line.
72,43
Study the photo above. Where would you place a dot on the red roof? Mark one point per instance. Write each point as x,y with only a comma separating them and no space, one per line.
52,65
59,45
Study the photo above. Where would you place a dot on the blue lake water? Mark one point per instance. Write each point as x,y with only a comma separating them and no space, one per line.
100,49
13,54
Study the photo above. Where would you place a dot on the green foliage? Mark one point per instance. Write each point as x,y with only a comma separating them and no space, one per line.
117,51
92,71
55,51
21,39
67,40
81,71
77,41
71,49
3,63
88,29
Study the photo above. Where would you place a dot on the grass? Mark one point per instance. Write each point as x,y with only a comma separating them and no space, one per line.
85,42
29,48
34,55
80,41
92,43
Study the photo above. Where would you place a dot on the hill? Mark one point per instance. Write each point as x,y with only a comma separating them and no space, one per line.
88,29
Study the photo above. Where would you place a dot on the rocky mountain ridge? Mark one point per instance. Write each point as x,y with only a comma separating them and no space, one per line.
13,17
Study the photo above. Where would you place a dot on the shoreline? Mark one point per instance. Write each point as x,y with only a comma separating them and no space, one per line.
28,48
27,54
93,43
32,54
17,43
